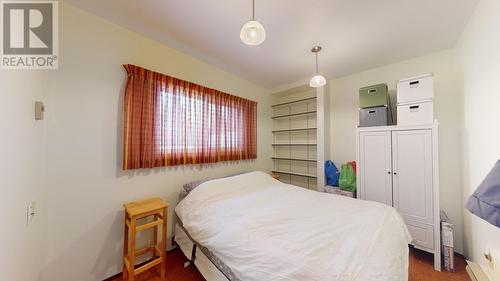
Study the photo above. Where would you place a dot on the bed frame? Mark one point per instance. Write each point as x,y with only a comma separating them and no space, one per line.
211,267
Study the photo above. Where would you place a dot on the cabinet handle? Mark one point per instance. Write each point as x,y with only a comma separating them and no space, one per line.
389,172
395,173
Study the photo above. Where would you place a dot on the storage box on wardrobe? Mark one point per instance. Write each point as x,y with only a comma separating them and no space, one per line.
415,105
373,116
374,106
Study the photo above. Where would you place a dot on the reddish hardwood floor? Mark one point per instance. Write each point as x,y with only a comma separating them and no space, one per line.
421,269
175,270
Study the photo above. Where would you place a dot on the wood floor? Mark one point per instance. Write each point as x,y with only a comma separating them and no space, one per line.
421,269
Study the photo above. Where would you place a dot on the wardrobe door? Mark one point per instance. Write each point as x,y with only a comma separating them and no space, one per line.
375,166
412,180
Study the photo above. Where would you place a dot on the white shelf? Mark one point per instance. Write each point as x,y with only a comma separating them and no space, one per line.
294,174
294,115
294,130
294,159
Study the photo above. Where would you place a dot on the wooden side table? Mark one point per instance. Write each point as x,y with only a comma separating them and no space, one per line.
157,209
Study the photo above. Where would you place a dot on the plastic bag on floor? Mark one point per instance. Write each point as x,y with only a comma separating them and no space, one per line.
332,173
347,179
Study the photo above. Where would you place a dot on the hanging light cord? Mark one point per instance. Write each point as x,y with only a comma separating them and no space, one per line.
253,9
316,63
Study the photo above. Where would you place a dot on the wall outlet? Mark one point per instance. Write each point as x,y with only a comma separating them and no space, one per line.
489,259
495,261
492,262
30,214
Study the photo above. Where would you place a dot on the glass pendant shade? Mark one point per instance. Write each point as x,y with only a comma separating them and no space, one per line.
317,81
253,33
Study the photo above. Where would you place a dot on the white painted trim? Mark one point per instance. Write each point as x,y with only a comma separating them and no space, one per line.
398,128
435,181
320,137
359,191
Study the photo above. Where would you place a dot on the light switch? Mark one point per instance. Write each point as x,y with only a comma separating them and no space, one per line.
30,212
39,110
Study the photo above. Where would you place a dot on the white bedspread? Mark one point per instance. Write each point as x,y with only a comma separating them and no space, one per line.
267,230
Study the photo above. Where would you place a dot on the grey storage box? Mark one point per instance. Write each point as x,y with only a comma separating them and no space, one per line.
375,116
373,96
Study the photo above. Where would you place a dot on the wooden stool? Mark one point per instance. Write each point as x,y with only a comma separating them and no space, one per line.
156,208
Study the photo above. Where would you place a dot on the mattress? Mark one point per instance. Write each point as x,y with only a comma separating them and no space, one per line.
206,264
262,229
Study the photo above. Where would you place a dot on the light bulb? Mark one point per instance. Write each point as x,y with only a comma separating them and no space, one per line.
317,81
253,33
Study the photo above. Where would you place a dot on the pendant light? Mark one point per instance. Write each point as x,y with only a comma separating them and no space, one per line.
253,33
318,80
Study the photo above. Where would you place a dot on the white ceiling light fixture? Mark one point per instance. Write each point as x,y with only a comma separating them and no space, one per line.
318,80
253,32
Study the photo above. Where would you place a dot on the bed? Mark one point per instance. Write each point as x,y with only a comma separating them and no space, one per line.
252,227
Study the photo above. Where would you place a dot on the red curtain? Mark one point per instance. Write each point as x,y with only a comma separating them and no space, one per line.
168,122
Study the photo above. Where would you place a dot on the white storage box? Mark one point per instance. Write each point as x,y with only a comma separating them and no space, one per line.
415,89
420,113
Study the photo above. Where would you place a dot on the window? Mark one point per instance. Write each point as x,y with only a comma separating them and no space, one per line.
195,109
174,122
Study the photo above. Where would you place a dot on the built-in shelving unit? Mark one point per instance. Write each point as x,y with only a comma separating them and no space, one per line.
294,142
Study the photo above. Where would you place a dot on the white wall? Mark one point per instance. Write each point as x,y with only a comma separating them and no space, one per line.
479,50
448,84
84,118
22,141
70,162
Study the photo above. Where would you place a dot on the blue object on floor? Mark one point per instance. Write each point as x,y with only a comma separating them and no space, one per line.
332,173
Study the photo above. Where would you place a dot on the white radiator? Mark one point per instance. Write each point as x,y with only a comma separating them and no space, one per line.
475,272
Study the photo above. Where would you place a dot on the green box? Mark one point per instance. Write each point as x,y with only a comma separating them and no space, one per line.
373,96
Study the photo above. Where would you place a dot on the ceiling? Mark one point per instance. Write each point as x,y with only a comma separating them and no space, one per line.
356,35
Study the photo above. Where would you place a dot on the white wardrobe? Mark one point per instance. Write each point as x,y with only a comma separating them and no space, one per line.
398,166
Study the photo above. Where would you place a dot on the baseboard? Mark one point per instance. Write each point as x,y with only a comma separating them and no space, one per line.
138,265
